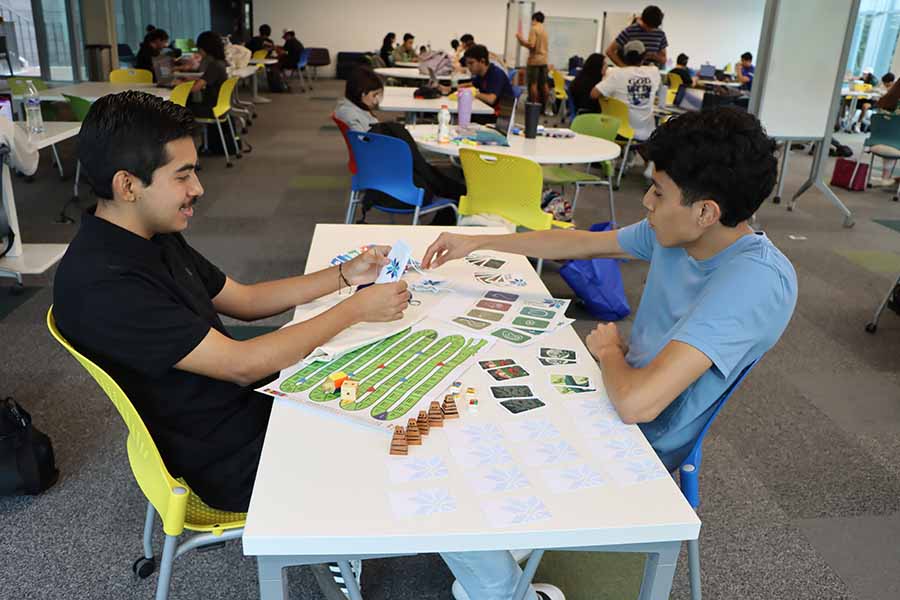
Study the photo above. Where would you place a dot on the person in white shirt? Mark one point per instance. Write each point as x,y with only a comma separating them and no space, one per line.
636,86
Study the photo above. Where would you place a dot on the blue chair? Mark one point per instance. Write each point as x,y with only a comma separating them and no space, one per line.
883,142
689,474
385,164
517,89
570,104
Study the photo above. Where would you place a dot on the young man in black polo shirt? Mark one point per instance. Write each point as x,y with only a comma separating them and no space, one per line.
132,295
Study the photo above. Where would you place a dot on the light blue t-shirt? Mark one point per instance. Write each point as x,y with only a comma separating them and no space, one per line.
732,307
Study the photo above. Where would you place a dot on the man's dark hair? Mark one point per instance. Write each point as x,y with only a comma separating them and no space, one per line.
632,59
361,81
746,56
149,28
478,52
722,154
157,35
407,37
682,60
129,132
265,30
211,43
467,38
652,17
887,78
454,43
290,33
538,16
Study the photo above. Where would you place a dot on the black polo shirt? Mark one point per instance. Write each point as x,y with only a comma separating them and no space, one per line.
137,307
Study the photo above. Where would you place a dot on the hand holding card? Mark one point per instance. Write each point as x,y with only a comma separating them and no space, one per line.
396,263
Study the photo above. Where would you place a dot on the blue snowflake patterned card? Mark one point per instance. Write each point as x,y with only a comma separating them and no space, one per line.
398,258
572,478
422,502
499,478
417,468
511,511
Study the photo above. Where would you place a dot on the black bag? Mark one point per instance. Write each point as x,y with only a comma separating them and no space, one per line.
427,93
214,142
27,465
7,236
277,84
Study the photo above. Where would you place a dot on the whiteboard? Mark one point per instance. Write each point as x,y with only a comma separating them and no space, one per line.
798,81
518,20
569,36
613,24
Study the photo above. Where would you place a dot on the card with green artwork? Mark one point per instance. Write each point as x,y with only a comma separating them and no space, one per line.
471,323
540,313
570,380
485,314
531,323
511,336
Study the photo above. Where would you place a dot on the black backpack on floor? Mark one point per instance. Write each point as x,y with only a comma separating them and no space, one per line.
27,465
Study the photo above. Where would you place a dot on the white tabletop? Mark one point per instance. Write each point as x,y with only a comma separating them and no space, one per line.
54,132
92,90
400,99
703,82
322,487
248,71
406,64
263,61
543,150
404,73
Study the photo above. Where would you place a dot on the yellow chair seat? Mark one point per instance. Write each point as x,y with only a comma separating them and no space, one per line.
199,516
559,175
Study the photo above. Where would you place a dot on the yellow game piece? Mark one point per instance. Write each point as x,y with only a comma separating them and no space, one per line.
334,381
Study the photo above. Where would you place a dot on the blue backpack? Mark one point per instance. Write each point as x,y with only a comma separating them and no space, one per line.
598,283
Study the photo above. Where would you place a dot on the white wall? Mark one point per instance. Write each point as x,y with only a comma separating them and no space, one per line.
717,31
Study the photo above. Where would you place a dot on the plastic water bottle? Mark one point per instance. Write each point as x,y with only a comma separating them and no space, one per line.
465,107
33,118
444,125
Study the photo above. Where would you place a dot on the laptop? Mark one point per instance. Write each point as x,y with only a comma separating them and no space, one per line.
506,116
707,71
165,73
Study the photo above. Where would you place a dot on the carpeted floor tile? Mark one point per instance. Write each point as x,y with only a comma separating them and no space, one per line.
320,182
10,301
873,260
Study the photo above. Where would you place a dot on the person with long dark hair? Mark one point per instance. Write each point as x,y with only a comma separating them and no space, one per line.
387,49
215,72
362,93
152,46
588,77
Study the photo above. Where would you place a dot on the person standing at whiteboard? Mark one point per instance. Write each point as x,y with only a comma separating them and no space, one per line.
538,45
647,30
635,85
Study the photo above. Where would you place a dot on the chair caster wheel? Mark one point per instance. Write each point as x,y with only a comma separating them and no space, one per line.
871,327
894,198
776,200
229,165
144,567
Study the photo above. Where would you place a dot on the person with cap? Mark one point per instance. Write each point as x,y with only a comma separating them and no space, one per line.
646,29
634,84
291,51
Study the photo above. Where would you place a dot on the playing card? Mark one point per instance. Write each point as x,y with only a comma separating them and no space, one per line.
539,313
398,258
531,323
485,314
557,353
510,336
570,380
494,364
506,373
529,331
492,305
511,391
494,263
471,323
551,362
562,389
520,405
504,296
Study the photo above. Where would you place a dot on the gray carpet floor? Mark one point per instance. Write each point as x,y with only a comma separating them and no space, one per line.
801,477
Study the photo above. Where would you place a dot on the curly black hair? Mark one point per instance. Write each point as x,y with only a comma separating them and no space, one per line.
722,154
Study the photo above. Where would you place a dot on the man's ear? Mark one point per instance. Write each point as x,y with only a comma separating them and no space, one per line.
710,213
125,186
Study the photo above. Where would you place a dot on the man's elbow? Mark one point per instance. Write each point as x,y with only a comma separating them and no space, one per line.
634,409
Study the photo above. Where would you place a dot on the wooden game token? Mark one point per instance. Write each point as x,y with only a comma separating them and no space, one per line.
435,416
422,423
399,445
413,438
449,407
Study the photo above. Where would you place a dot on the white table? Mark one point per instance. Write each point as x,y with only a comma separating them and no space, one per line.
94,90
543,150
264,61
400,99
403,73
321,490
715,82
251,71
407,64
855,97
31,259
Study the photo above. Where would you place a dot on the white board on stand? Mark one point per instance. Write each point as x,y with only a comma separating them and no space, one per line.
613,23
570,36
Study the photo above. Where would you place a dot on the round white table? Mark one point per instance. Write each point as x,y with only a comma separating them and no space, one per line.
542,150
401,73
406,64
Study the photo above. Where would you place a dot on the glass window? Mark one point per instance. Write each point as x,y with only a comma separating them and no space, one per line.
875,37
180,18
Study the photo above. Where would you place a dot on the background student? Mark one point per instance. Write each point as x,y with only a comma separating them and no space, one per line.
215,72
263,41
387,49
490,81
291,51
688,77
647,30
536,70
745,71
152,46
591,73
635,85
406,52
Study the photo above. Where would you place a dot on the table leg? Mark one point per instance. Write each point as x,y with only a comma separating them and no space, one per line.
272,578
659,570
410,117
256,97
350,580
786,152
527,574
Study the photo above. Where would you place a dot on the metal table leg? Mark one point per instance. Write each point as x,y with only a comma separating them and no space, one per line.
785,153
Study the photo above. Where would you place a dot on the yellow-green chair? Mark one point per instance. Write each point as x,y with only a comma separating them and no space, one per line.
130,76
222,113
506,186
595,125
729,69
260,54
18,87
181,93
618,109
560,93
675,83
178,507
185,44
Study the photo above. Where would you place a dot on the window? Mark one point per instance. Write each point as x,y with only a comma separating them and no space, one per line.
875,37
180,18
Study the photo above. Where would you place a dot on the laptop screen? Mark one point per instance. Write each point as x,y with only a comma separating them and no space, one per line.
707,71
506,115
163,68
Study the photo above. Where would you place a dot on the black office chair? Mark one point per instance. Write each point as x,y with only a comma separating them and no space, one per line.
4,53
126,55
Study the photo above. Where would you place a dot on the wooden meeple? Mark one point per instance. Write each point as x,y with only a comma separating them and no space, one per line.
422,422
449,407
435,415
413,438
399,445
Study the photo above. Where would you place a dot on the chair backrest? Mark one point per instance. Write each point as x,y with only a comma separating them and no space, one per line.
19,85
223,103
884,129
304,59
125,51
385,164
675,81
168,496
504,185
689,471
344,128
319,57
559,84
80,106
617,108
130,76
261,54
596,125
181,93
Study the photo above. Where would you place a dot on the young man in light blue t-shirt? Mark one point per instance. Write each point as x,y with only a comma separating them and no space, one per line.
718,295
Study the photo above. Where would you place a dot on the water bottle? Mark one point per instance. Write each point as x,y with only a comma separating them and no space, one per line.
444,125
33,118
465,107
